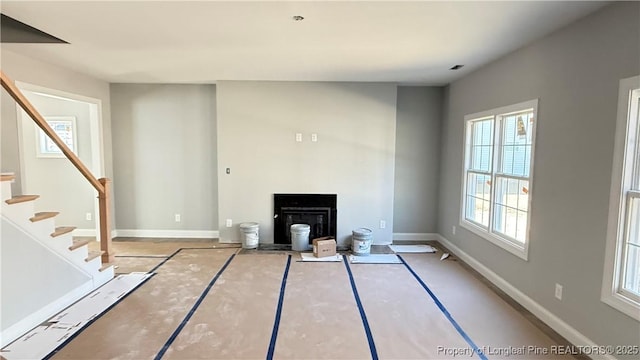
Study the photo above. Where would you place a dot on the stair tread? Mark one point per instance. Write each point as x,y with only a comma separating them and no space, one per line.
61,230
94,254
6,177
78,244
21,198
43,215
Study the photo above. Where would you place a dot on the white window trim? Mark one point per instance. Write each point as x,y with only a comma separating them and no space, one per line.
521,251
611,292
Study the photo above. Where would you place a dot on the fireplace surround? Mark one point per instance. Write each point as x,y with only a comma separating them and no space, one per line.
317,210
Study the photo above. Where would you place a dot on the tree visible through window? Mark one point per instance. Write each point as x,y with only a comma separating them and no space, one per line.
498,167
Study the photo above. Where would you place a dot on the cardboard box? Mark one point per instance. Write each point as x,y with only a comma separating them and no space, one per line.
324,246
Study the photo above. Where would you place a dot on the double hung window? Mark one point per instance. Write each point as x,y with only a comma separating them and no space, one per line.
621,283
498,168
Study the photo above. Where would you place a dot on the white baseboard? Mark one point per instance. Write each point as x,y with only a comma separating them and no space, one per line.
23,326
187,234
236,241
571,334
415,236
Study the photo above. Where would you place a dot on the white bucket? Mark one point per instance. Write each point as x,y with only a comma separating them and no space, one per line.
361,241
250,235
300,237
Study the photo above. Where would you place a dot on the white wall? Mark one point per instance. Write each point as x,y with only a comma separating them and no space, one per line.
575,74
60,185
353,158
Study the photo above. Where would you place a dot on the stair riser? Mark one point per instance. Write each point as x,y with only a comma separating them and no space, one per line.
103,276
42,228
61,245
5,190
93,266
78,255
20,212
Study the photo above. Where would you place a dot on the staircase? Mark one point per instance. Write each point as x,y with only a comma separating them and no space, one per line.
59,272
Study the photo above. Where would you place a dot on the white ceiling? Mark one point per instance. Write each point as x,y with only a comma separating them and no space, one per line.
410,42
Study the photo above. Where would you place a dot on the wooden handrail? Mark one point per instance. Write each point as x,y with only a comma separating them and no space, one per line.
102,185
17,95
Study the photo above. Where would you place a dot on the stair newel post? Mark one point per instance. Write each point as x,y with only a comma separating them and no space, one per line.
104,200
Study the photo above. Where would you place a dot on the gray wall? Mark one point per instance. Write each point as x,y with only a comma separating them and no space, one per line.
418,121
575,73
60,185
164,150
36,72
353,158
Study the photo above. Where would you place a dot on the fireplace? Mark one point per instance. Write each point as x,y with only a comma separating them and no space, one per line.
316,210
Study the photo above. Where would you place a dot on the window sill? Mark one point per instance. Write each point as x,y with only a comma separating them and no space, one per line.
521,252
622,303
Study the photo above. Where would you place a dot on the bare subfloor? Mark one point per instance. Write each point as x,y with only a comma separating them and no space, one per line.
230,299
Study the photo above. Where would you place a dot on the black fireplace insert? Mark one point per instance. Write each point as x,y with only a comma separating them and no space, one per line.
316,210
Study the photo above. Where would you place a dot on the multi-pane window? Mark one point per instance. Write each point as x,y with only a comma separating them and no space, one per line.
479,172
497,174
621,285
631,244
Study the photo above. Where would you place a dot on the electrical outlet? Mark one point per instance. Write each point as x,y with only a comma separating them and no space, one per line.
314,137
558,291
299,137
229,223
453,230
383,224
88,216
178,218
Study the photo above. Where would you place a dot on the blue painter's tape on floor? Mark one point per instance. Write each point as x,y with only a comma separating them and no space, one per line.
363,316
77,333
276,323
165,260
446,313
184,322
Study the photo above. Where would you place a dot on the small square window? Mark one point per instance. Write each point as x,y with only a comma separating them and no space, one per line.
65,128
